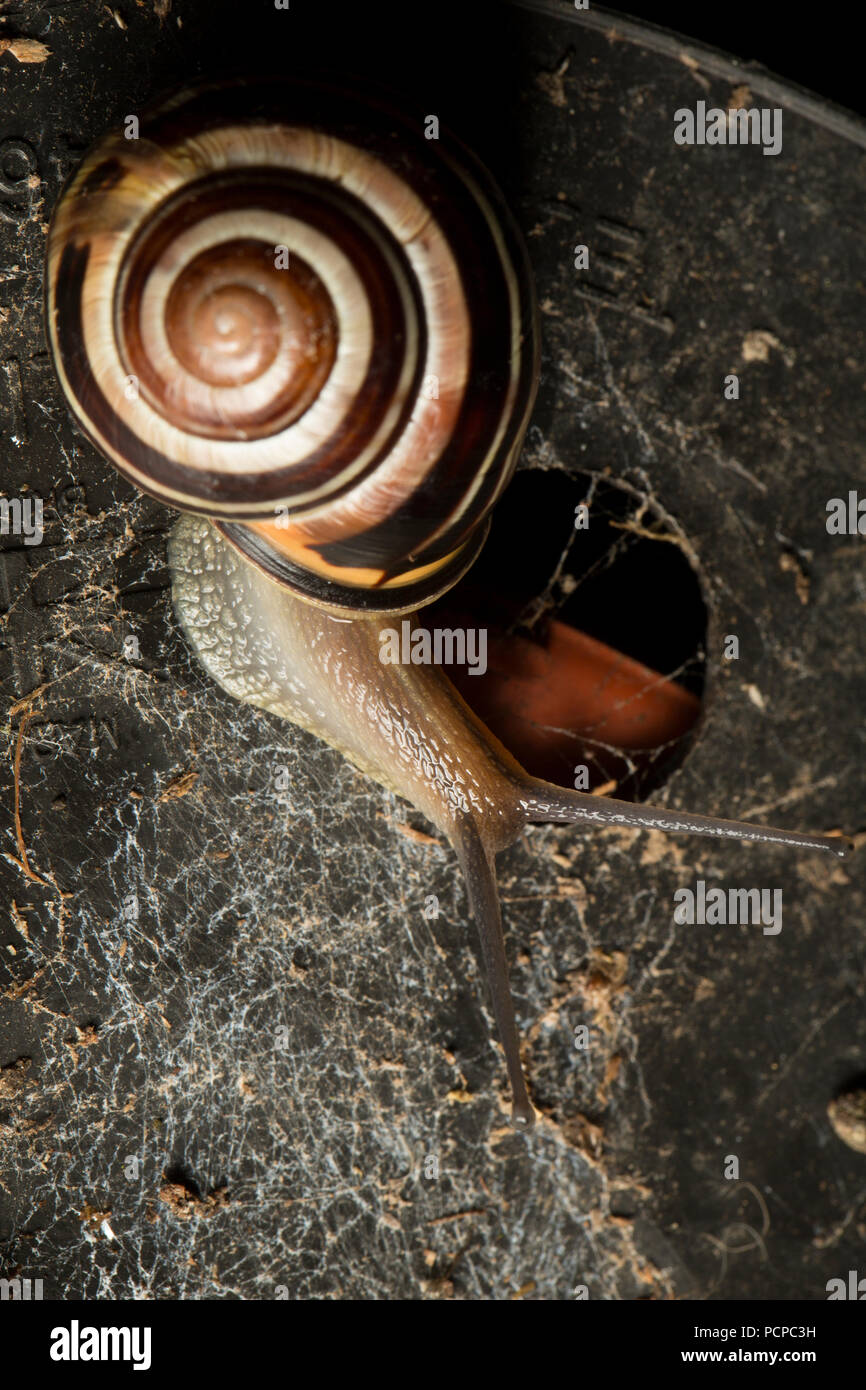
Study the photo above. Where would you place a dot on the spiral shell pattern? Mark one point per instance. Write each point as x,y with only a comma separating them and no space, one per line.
284,308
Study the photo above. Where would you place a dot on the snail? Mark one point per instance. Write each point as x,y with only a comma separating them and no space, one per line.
284,312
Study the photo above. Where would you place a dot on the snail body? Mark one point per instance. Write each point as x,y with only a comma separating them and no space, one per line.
269,648
336,421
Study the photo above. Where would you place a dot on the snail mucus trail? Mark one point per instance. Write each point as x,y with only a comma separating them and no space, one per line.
284,312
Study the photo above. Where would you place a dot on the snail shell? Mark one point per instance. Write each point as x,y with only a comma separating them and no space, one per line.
280,306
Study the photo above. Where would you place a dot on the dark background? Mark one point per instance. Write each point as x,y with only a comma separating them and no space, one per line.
156,1037
815,47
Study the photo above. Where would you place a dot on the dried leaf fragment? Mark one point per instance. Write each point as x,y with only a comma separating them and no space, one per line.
25,50
847,1115
180,786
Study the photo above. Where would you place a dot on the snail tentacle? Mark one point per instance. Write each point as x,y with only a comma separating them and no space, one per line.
543,802
480,876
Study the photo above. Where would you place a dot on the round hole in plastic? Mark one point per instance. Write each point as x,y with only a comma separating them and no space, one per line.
595,633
